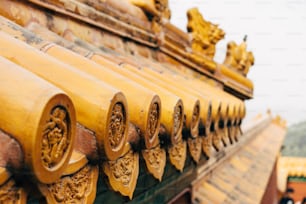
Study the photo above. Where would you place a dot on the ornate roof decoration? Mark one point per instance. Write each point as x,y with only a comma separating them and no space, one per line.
238,58
157,10
205,34
150,112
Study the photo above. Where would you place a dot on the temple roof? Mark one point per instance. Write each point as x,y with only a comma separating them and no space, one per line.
243,177
124,106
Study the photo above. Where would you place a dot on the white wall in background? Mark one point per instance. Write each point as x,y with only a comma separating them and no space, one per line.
276,32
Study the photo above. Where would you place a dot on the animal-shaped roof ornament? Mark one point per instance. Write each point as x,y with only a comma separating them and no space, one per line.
156,10
205,34
238,58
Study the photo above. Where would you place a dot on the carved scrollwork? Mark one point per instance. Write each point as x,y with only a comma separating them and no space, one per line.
117,126
79,187
222,132
177,121
177,155
153,120
207,144
122,169
195,121
205,35
8,193
216,140
155,159
11,194
71,189
195,148
208,120
123,173
55,140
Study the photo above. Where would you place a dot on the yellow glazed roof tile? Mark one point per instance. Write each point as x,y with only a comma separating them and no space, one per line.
244,177
290,167
233,183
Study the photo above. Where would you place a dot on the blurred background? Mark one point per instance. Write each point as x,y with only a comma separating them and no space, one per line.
276,31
